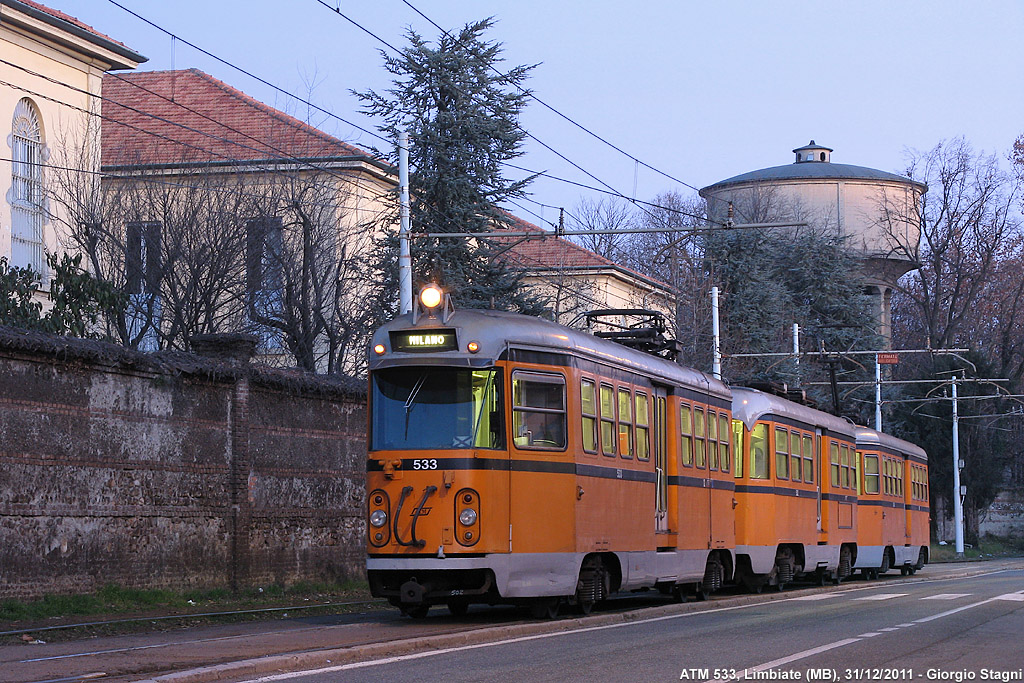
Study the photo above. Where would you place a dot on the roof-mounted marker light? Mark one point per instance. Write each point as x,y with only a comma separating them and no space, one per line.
473,347
379,349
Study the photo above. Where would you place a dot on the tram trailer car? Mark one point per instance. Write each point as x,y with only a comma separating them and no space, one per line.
796,492
893,529
515,460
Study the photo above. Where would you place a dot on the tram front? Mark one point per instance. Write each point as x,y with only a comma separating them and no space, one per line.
437,468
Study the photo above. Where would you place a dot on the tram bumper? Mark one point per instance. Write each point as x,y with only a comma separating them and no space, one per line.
431,580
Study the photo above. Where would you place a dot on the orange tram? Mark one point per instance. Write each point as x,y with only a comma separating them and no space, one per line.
513,460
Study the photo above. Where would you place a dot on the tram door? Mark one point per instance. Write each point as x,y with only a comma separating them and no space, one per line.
822,472
907,491
661,523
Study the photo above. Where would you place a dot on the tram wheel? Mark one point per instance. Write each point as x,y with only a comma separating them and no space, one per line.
591,587
701,592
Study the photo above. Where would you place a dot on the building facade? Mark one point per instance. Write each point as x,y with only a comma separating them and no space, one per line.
51,75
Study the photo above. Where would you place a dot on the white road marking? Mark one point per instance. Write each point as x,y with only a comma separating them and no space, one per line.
477,646
817,596
903,625
1015,597
542,636
946,596
882,596
887,630
868,635
797,656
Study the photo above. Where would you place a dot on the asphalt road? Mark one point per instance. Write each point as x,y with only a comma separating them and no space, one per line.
952,629
948,617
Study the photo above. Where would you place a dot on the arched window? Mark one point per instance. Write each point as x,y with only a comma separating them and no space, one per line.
27,187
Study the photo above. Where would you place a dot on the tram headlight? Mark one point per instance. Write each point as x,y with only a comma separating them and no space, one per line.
431,296
468,517
378,518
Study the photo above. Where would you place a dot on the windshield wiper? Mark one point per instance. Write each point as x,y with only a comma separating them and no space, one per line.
412,400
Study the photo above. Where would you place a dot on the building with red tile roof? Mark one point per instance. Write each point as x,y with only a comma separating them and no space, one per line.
577,279
174,124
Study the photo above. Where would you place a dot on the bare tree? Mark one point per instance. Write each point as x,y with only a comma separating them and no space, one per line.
311,292
224,248
967,218
607,213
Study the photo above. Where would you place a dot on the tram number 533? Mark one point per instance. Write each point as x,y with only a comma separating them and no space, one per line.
425,464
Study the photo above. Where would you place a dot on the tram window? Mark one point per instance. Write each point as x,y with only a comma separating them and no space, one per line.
723,441
698,437
417,408
607,420
625,423
844,461
794,452
737,448
781,453
870,473
686,433
538,410
643,430
899,477
833,455
759,451
808,448
712,440
588,406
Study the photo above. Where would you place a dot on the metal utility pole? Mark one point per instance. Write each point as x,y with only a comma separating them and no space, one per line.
796,348
878,394
716,345
958,503
404,255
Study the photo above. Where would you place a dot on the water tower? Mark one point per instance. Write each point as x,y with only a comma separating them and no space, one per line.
844,199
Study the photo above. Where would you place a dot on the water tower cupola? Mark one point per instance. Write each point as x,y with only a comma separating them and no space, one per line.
812,152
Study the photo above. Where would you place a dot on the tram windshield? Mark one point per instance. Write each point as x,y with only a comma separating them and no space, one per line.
436,408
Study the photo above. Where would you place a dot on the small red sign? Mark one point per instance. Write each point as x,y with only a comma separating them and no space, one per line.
888,358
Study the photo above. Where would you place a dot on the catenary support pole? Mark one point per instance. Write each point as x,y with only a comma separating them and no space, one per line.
878,395
404,255
958,504
796,349
716,348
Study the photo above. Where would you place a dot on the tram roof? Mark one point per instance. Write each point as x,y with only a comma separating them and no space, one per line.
750,405
498,331
870,437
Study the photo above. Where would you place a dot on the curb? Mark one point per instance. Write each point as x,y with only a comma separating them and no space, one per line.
299,661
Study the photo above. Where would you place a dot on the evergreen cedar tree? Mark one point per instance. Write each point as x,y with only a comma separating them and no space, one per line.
461,110
771,279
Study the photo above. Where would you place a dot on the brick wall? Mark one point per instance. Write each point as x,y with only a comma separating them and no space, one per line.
172,470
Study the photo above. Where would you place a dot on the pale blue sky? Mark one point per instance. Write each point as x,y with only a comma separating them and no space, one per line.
702,91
